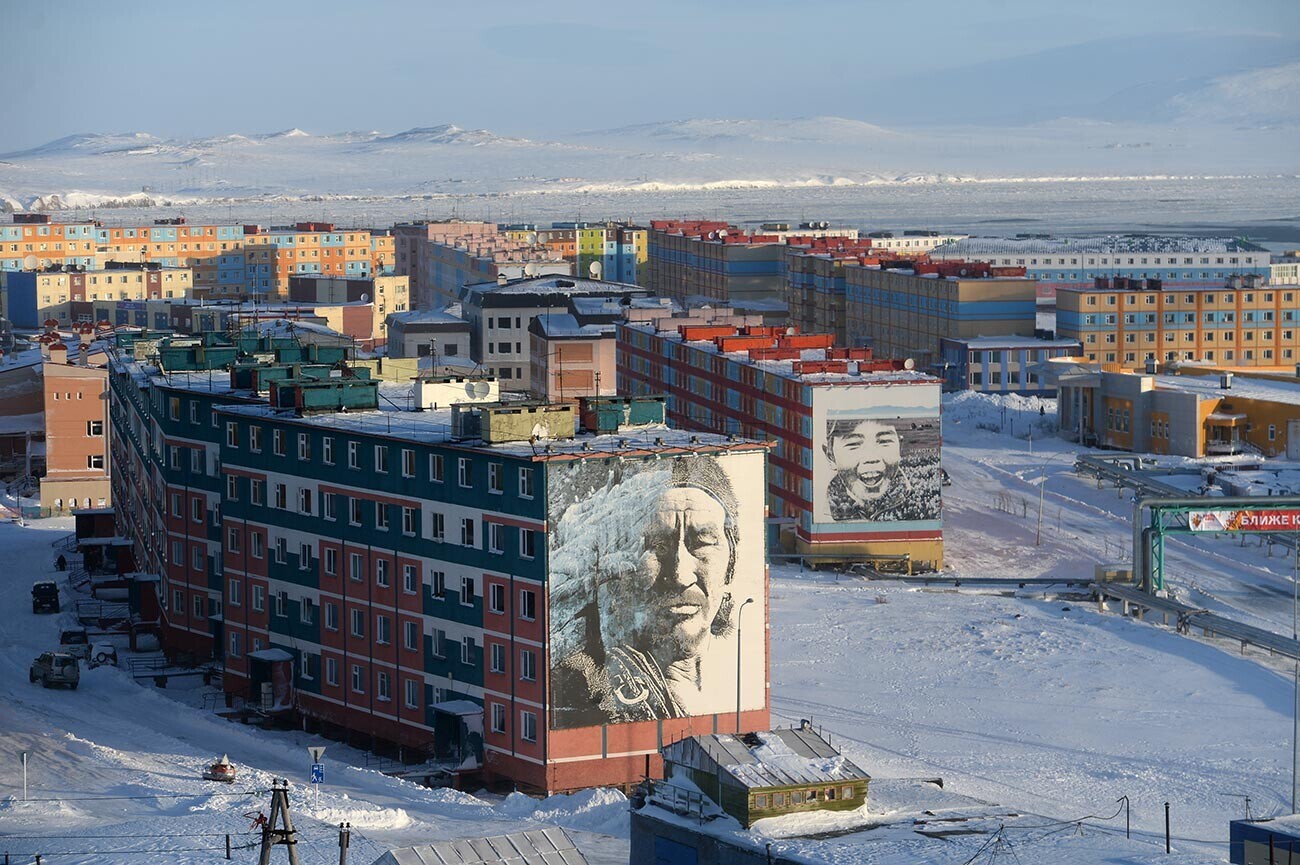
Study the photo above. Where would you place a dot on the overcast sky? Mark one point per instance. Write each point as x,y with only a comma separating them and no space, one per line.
524,68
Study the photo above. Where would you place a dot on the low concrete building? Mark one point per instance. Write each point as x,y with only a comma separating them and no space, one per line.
1272,841
1000,364
569,359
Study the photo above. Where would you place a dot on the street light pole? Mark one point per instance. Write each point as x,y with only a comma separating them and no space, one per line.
739,644
1042,488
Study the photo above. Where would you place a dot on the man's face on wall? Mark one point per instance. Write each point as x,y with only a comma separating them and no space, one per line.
686,554
866,456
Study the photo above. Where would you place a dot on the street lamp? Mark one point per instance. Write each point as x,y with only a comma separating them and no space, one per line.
739,614
1042,488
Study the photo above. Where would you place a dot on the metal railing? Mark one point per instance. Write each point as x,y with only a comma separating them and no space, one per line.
1209,624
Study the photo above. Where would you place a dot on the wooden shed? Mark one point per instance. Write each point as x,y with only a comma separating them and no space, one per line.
767,774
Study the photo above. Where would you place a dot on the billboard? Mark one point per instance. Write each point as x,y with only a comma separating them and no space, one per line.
650,562
1265,520
876,455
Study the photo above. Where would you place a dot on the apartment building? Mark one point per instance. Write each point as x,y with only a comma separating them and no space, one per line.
34,296
276,254
76,433
428,333
1001,364
423,576
1074,262
1242,323
501,312
213,253
856,460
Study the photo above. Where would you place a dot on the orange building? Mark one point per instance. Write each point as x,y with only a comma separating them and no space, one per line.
311,248
76,434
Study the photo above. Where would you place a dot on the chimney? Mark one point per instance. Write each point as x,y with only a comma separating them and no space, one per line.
1153,367
1225,381
502,279
83,353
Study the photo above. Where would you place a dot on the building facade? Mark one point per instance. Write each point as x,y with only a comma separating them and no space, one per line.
1069,262
855,467
1243,323
428,333
32,297
996,364
77,434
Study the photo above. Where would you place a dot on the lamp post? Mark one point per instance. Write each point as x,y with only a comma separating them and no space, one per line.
739,614
1042,488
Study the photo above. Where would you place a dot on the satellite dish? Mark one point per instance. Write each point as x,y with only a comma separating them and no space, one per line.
595,269
477,389
531,238
909,364
530,269
713,235
30,262
365,298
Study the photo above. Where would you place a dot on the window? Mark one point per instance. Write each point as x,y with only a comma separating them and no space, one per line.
467,591
408,463
463,471
467,532
381,516
496,533
527,604
255,545
305,497
412,688
232,488
327,505
498,718
527,543
94,428
846,792
526,483
409,579
280,550
528,726
760,800
528,665
331,616
467,651
438,584
352,456
358,679
196,510
439,528
332,671
383,630
439,643
358,623
331,557
256,486
408,521
304,556
234,599
198,599
410,635
280,497
497,598
381,572
435,468
498,658
354,515
281,603
304,447
234,644
494,478
327,450
277,442
307,611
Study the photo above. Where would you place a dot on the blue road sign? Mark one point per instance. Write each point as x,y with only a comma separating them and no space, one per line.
317,773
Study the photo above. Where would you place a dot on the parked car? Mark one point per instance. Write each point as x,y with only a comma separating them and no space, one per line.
103,653
55,668
75,642
45,597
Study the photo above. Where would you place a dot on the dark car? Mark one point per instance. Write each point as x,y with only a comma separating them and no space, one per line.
45,597
75,642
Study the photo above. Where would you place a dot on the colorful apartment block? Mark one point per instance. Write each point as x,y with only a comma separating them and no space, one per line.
855,467
1127,322
425,577
214,253
308,248
1074,262
33,242
903,309
32,297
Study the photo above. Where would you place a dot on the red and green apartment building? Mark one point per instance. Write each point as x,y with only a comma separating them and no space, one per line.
441,578
816,404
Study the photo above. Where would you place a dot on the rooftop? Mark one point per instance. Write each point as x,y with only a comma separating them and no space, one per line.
1246,387
565,326
779,758
450,315
1011,342
552,284
549,846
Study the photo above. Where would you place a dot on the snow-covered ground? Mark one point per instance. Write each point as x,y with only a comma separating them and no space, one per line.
1047,706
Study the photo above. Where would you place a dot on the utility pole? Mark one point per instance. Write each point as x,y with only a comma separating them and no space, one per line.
273,836
345,840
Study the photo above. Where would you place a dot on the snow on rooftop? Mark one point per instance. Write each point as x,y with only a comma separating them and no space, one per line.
449,315
1243,386
1112,244
564,325
552,284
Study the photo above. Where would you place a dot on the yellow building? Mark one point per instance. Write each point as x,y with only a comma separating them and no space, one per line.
1129,322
